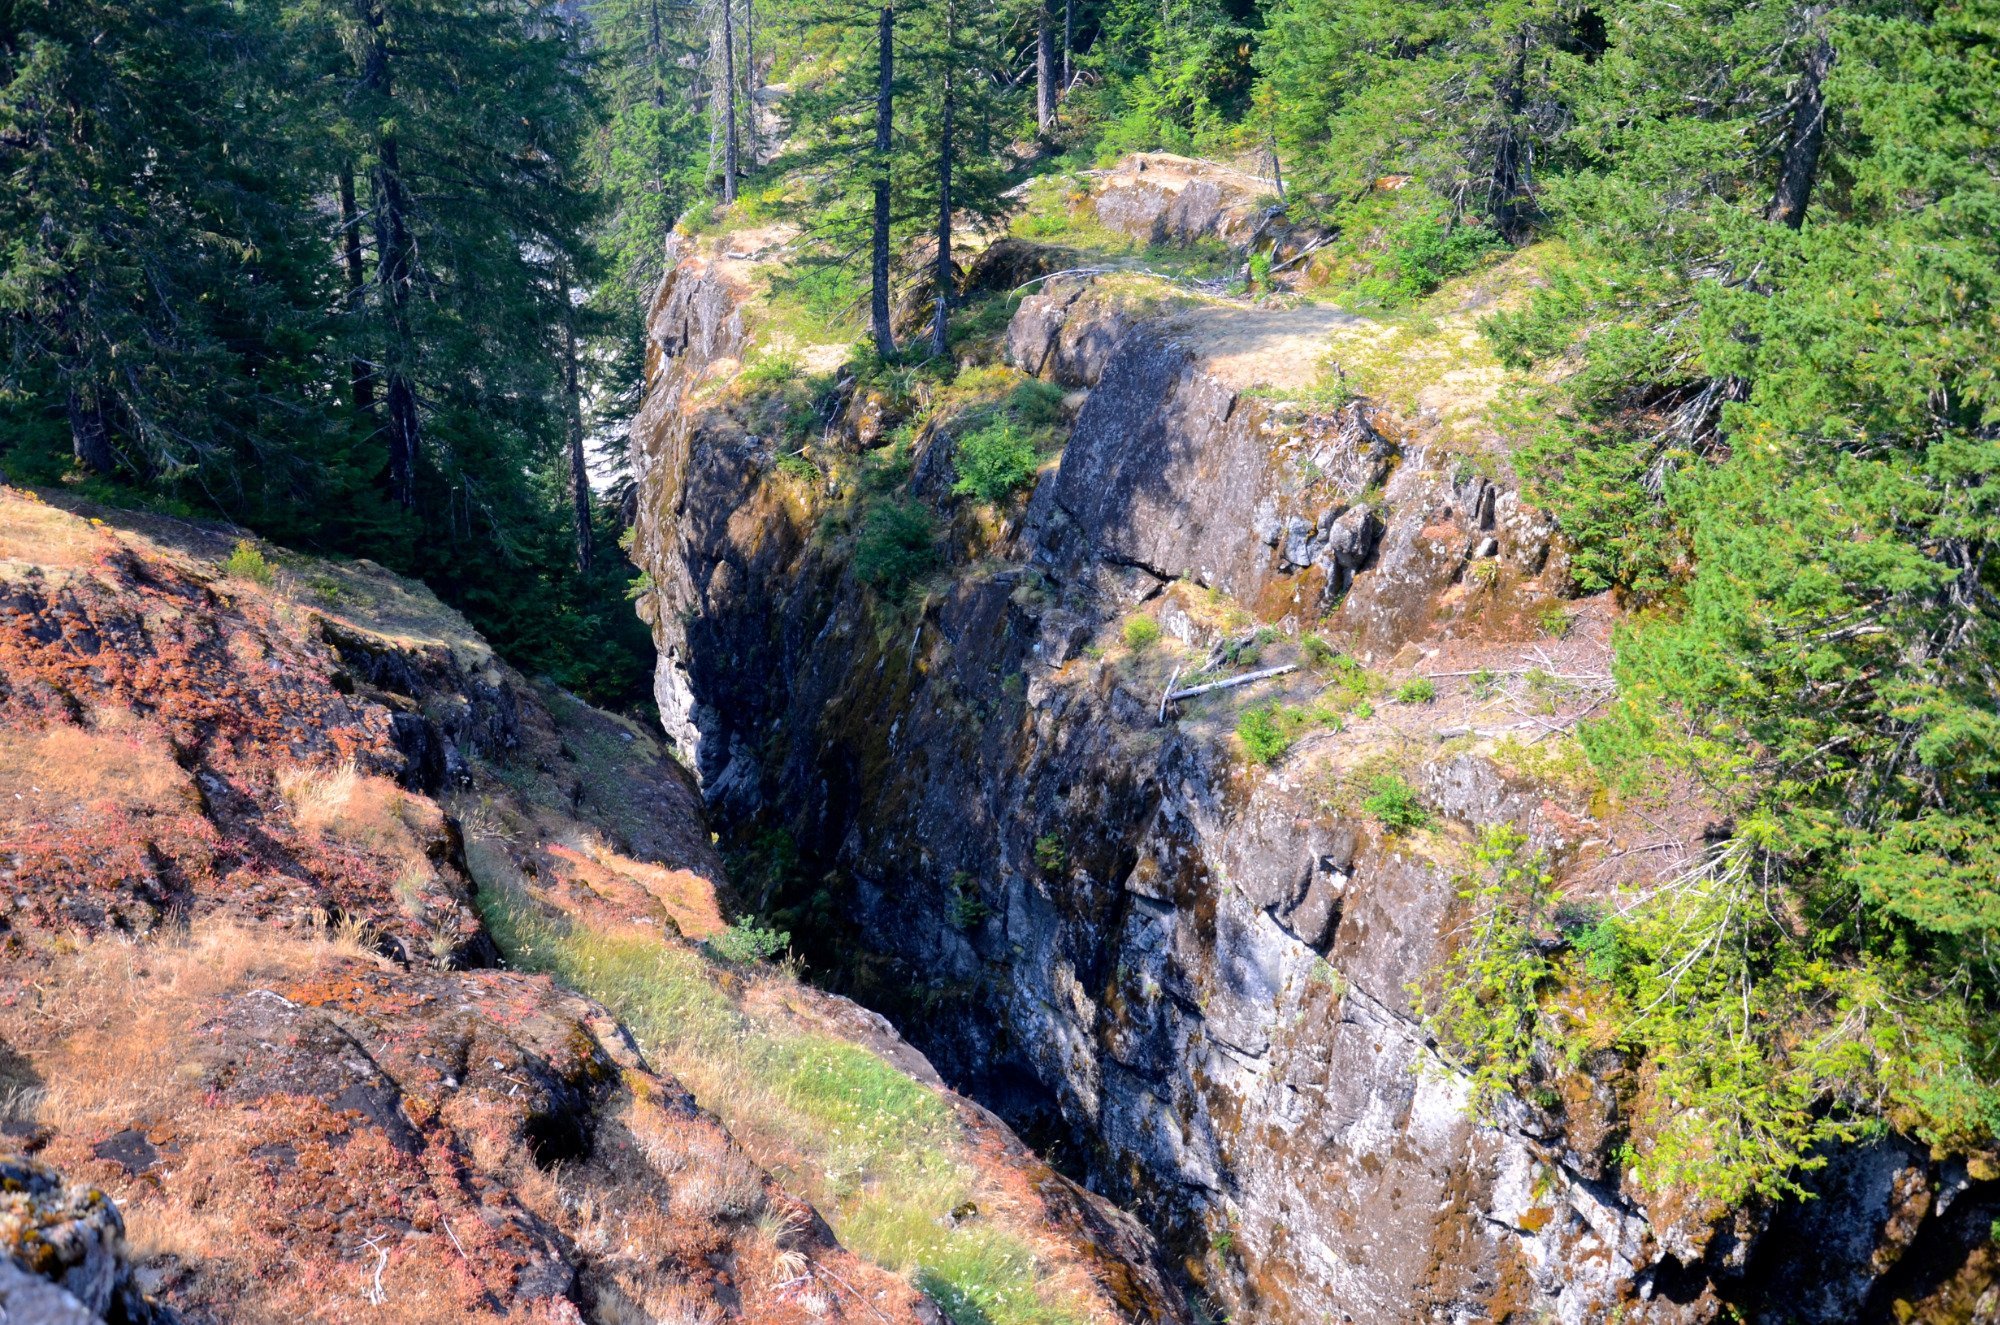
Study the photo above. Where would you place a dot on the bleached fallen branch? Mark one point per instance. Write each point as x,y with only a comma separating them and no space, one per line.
1072,271
1242,680
1496,672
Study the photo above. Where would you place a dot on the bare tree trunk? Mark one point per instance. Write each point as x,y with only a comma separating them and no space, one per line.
1045,70
579,471
1804,139
885,81
395,269
750,74
360,373
656,52
395,272
90,431
1511,159
1069,41
944,282
728,102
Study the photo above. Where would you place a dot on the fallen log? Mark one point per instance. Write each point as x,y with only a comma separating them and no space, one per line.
1242,680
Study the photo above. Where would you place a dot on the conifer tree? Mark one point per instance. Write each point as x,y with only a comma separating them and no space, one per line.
151,280
463,124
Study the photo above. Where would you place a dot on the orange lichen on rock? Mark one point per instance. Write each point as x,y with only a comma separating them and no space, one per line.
241,984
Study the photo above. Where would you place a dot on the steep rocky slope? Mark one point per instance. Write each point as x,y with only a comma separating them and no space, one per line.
1200,977
262,819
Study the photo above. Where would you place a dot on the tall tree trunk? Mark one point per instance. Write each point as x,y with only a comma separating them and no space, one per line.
656,52
750,75
579,471
1069,40
1511,151
395,266
1804,138
1045,70
360,373
885,82
728,102
90,431
944,282
395,273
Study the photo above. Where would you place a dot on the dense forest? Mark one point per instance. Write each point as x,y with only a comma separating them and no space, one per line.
367,276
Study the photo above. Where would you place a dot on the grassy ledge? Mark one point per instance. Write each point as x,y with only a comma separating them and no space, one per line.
879,1154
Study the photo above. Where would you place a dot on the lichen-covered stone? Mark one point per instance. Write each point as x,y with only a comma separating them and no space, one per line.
1206,991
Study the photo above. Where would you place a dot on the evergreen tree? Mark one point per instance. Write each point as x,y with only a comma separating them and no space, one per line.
645,156
1782,286
154,286
924,85
1467,97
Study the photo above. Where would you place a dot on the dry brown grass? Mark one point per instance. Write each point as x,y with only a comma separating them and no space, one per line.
108,1030
366,811
686,896
70,767
711,1178
41,535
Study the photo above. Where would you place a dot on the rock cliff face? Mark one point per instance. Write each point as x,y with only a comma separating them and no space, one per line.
1198,979
255,814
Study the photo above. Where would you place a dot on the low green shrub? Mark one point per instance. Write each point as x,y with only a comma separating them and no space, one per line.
793,464
748,943
898,543
994,462
1266,732
773,369
1141,633
1394,803
1416,690
1051,854
1037,404
248,563
965,909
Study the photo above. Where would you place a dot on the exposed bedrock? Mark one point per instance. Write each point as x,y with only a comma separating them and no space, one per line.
1197,989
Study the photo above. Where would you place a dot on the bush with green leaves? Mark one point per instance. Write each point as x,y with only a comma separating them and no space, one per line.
1416,690
1265,733
748,943
964,908
1141,633
995,461
1036,404
898,544
1051,854
1394,803
247,561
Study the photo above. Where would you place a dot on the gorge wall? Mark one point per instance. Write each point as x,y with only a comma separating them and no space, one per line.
335,953
1198,979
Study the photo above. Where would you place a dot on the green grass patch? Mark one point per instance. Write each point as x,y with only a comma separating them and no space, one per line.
878,1153
1416,690
247,562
